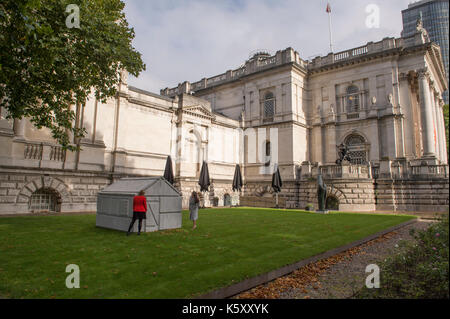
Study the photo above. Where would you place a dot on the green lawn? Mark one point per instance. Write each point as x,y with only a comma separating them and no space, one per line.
228,246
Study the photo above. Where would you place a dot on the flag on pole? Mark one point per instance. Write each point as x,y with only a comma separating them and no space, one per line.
329,26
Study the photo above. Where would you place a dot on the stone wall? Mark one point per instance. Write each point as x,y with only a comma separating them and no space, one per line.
412,195
269,202
353,195
77,192
74,191
215,197
361,192
289,192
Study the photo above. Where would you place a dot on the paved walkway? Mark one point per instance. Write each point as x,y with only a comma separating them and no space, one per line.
422,215
337,277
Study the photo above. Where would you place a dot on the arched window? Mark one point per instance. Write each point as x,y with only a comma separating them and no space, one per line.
269,105
268,152
332,203
357,149
352,99
44,200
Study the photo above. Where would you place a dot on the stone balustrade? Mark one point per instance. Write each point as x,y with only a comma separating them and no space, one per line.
43,151
385,170
33,151
336,171
331,171
406,171
290,56
57,153
250,66
369,48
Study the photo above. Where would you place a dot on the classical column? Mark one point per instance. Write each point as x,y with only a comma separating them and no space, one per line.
426,111
439,135
436,135
330,143
443,141
19,128
407,110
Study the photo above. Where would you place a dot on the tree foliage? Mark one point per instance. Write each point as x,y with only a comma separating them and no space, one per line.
419,269
45,67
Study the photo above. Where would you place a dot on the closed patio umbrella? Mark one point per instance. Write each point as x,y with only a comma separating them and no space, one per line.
204,181
168,171
277,183
237,180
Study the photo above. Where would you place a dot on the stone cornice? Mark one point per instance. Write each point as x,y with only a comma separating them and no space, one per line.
277,124
46,170
436,56
255,65
147,104
229,125
7,132
277,68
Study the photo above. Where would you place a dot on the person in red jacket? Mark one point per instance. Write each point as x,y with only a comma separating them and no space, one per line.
139,210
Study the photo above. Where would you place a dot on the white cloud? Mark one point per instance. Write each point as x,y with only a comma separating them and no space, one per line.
189,40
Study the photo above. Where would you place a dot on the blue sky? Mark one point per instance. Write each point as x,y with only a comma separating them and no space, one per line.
186,40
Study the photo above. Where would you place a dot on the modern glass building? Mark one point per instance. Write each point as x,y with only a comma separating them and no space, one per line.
435,21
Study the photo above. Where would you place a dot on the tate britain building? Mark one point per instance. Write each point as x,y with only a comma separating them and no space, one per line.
382,100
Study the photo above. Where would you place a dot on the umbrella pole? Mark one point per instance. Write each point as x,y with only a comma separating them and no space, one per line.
276,195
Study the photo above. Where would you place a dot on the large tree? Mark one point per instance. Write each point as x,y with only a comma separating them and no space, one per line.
48,63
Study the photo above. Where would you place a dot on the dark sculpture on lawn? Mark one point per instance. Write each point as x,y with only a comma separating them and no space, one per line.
321,192
343,154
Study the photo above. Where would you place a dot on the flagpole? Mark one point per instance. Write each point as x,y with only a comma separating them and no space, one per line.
329,28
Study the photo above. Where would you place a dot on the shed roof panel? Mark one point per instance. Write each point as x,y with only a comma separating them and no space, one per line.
130,185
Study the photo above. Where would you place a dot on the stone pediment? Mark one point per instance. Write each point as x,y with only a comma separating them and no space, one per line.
438,59
199,111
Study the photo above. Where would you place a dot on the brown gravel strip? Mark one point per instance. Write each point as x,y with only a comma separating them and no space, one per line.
339,276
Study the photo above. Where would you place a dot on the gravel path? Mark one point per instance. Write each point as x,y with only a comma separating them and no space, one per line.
337,277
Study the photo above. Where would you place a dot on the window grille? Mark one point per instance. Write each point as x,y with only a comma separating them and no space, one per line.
356,149
269,105
43,200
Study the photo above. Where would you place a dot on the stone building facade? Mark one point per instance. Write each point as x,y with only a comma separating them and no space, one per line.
383,100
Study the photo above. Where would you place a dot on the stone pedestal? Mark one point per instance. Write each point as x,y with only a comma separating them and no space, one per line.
385,169
306,170
19,129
